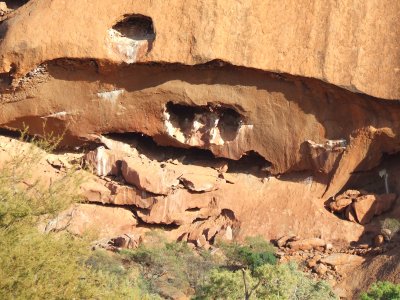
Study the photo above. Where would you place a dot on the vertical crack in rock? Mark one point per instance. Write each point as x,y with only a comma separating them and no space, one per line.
203,126
132,38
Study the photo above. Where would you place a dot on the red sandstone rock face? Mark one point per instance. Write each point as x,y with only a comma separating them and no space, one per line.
99,220
361,206
291,121
326,44
295,107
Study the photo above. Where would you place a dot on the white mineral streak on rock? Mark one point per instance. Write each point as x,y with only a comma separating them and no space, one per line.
206,124
110,95
126,47
102,161
61,114
172,130
329,144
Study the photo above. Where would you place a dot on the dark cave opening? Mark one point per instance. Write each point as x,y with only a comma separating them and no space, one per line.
251,163
204,118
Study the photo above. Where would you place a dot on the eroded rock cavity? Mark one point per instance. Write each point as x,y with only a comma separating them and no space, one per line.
132,37
203,126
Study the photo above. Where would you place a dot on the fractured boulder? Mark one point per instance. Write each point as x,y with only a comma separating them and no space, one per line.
307,244
103,221
149,175
362,207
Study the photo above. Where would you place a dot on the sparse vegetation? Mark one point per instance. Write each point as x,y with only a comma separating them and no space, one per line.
389,227
47,266
283,281
251,272
168,268
34,265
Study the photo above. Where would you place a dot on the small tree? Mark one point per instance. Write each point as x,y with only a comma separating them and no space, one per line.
247,258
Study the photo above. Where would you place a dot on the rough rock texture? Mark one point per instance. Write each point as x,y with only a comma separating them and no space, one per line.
307,244
332,42
386,267
201,197
339,259
360,206
99,220
232,110
278,115
280,105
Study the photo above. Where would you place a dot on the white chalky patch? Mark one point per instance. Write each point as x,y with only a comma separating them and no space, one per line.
384,174
126,47
102,161
60,114
110,95
202,123
329,144
172,130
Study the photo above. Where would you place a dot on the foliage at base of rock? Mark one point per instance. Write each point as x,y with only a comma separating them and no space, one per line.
34,265
382,291
251,272
170,269
283,281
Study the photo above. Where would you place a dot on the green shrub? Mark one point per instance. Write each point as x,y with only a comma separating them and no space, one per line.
254,253
382,291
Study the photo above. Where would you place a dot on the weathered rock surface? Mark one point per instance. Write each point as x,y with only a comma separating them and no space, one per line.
149,175
307,244
338,259
267,36
102,221
343,200
300,86
129,195
102,161
360,206
386,267
229,109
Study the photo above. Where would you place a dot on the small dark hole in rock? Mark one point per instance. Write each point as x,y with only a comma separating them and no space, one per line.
14,4
228,213
136,27
194,209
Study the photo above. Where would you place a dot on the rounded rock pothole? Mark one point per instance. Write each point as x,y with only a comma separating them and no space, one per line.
132,37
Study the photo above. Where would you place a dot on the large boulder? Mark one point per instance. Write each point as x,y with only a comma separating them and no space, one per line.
102,221
338,259
307,244
149,175
368,206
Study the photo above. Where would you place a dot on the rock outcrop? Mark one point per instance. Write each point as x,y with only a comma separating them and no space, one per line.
321,39
175,78
213,120
360,206
99,220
